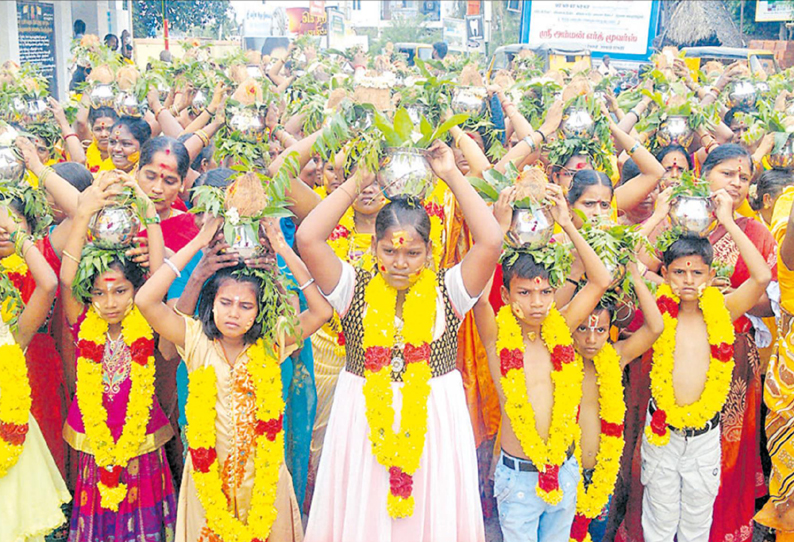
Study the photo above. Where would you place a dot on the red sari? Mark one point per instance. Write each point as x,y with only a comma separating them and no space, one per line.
742,478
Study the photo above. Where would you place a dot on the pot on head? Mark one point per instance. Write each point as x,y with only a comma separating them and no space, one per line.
35,111
200,100
254,71
114,227
127,105
243,240
530,228
695,215
250,122
675,130
742,93
102,95
617,272
468,100
12,167
783,158
405,172
577,122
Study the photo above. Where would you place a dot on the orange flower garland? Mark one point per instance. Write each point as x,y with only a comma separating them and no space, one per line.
15,405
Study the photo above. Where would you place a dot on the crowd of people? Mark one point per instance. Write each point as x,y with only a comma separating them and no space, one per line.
335,296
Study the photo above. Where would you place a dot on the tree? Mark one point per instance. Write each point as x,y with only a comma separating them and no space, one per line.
751,28
182,16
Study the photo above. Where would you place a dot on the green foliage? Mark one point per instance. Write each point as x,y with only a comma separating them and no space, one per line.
400,132
12,299
36,210
183,16
691,186
275,308
93,262
537,95
765,120
556,258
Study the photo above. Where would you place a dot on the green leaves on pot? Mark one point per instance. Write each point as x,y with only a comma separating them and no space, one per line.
691,186
555,258
93,262
401,131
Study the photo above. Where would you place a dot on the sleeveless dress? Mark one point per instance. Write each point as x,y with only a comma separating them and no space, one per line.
32,491
350,495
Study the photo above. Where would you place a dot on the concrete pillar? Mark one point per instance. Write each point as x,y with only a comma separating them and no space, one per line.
63,42
9,38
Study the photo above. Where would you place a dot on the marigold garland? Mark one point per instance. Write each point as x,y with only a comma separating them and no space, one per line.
612,411
15,405
567,375
718,378
112,456
400,452
201,436
15,268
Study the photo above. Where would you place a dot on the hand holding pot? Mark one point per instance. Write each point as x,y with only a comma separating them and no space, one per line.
503,208
559,207
723,204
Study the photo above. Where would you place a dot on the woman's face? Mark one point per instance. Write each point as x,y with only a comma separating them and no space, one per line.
460,161
401,255
235,308
6,245
674,164
595,201
565,176
160,180
124,148
41,149
370,200
101,131
734,176
112,295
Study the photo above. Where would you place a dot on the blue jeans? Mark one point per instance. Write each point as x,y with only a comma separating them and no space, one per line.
525,517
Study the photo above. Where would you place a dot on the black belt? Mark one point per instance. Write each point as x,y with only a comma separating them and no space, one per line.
525,465
689,432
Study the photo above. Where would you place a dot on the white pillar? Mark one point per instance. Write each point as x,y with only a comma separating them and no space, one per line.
9,38
63,42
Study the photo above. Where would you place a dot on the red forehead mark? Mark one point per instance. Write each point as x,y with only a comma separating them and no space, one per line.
689,264
537,280
167,152
581,165
109,279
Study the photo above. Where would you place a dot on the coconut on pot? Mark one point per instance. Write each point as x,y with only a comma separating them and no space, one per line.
101,74
127,77
248,93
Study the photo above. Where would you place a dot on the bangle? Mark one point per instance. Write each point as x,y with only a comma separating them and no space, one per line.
75,260
20,240
531,142
306,285
67,136
457,139
173,111
151,220
634,148
25,252
173,267
157,113
542,135
202,135
634,112
44,173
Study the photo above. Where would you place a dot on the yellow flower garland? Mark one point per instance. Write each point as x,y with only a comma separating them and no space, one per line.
612,411
15,403
14,264
567,378
113,456
718,378
400,452
201,435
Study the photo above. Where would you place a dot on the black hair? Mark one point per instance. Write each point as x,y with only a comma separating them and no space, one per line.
723,153
733,111
585,178
525,267
109,37
101,112
75,174
17,204
139,128
79,26
131,271
772,182
556,168
689,245
206,313
674,147
403,211
163,144
441,48
219,178
629,171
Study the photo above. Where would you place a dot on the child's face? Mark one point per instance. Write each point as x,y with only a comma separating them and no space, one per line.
402,255
369,201
529,298
688,276
112,296
235,308
6,245
101,130
592,334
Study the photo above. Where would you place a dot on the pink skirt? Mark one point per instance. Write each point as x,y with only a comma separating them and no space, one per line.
349,502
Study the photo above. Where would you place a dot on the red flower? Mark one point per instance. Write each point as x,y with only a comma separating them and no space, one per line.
667,305
511,359
636,322
110,478
722,352
340,232
340,338
550,480
434,209
376,358
91,350
565,354
13,434
611,429
17,279
270,428
203,458
414,354
659,422
401,484
94,169
141,349
579,527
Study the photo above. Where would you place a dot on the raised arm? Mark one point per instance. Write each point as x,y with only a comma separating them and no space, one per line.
81,119
653,324
70,139
302,198
631,193
477,160
478,264
530,146
64,194
38,306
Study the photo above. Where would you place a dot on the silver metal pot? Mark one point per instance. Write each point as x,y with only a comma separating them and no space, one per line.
243,240
762,88
694,215
127,104
254,71
102,95
35,111
742,93
468,100
250,122
114,227
783,158
531,228
617,272
16,110
201,100
405,172
416,112
577,123
12,167
675,130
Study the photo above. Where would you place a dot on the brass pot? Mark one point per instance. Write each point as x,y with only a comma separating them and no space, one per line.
405,172
102,95
675,130
784,157
742,93
577,122
468,100
695,215
114,227
531,228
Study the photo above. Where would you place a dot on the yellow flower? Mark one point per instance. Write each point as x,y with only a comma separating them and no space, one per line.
14,264
15,400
